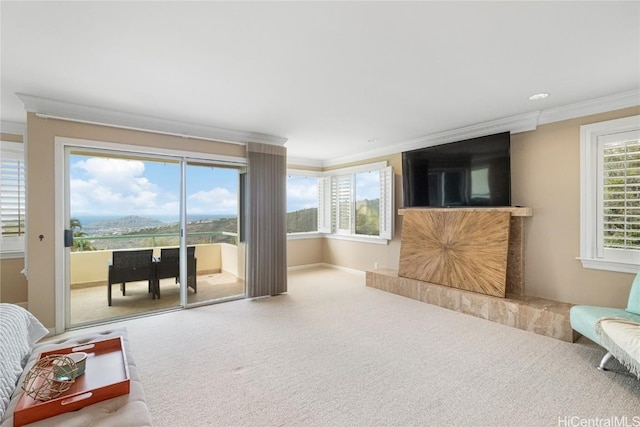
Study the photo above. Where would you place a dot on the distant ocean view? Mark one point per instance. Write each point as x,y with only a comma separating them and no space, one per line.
102,232
86,220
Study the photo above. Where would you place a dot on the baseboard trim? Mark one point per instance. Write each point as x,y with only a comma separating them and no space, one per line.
305,266
326,265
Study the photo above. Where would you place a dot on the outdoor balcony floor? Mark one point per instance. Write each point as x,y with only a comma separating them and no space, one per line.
89,304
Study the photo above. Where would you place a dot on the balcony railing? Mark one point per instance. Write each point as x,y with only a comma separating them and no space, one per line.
154,240
92,266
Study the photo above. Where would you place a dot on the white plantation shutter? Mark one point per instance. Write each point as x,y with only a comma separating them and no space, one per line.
387,198
618,220
337,205
324,205
610,195
12,196
345,203
334,203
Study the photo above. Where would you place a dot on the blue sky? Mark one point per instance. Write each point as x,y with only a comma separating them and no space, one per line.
103,186
112,186
302,191
368,185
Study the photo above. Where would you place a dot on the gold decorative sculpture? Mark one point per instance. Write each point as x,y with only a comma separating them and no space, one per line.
50,377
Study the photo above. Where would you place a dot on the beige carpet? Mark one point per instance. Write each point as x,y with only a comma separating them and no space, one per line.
332,352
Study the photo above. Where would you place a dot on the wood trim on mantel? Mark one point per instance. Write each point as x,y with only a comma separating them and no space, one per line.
515,211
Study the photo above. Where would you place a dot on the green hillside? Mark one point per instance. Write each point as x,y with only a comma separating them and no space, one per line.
302,221
368,217
198,232
219,230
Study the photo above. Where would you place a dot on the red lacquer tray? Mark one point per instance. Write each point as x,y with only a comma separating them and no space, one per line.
106,376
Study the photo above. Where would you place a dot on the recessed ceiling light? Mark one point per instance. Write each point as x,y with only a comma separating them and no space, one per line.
538,96
373,140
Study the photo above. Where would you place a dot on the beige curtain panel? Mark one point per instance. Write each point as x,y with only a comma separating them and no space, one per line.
266,219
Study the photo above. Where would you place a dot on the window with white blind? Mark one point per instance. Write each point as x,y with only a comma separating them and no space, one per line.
610,205
356,203
12,197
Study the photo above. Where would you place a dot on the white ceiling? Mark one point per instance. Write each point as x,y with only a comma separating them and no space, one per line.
328,76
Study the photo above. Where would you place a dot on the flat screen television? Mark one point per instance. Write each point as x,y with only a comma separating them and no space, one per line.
473,172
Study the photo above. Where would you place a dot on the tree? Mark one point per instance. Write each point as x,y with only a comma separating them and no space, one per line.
79,244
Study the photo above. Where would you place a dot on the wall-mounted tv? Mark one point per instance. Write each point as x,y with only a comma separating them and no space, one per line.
473,172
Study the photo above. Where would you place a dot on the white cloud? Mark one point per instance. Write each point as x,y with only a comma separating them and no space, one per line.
111,186
173,206
216,201
110,169
368,185
302,193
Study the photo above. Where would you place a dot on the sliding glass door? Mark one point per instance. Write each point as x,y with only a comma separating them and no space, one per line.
212,231
127,214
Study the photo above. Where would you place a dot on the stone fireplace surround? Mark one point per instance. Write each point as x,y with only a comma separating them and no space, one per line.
538,315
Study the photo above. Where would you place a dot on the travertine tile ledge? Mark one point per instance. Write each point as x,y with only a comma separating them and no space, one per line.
515,210
538,315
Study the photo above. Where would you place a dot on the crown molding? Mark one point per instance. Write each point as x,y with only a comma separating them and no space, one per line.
515,124
13,128
54,109
299,161
522,123
593,106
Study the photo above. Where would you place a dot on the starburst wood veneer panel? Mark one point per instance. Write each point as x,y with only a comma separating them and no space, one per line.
464,250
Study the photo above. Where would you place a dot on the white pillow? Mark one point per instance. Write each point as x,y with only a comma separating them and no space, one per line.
19,331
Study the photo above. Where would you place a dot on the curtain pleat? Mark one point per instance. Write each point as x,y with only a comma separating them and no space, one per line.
266,219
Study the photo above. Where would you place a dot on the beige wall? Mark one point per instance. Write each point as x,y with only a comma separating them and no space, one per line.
545,176
360,255
304,252
545,166
229,259
10,137
13,284
91,266
41,192
346,253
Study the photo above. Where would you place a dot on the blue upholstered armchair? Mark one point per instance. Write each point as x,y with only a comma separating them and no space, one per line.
584,318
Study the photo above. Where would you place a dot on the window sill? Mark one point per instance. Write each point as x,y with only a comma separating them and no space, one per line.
599,264
364,239
317,235
300,236
12,255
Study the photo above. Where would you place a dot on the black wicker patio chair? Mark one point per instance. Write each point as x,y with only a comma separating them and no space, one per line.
169,266
131,266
